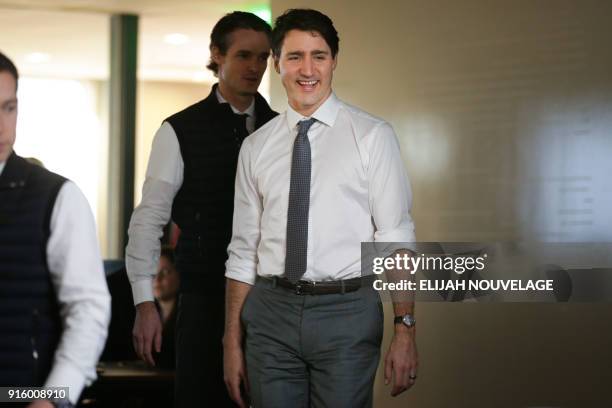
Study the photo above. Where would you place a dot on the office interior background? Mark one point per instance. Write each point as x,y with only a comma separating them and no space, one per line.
503,110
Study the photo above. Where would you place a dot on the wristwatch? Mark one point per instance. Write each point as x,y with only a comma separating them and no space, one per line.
408,320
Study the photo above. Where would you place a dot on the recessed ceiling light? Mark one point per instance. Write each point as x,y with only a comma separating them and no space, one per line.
176,39
38,57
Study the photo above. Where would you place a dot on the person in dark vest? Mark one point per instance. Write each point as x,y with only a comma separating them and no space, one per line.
54,302
190,180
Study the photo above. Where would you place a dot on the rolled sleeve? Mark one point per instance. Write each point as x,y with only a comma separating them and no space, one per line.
390,193
242,250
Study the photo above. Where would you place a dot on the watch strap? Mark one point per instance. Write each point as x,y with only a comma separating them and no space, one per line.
407,320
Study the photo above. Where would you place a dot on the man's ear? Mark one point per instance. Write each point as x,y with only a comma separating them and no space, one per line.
215,54
276,66
335,63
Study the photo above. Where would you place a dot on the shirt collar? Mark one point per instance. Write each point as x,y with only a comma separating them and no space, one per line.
2,164
249,111
326,113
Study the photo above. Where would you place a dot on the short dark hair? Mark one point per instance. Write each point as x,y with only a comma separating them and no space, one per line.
219,37
7,65
304,20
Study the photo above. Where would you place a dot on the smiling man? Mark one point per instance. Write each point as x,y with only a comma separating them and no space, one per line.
190,179
311,185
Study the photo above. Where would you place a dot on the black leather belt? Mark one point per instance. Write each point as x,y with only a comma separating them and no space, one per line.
317,288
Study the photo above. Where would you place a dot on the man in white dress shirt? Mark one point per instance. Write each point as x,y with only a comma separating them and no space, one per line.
190,179
54,302
311,185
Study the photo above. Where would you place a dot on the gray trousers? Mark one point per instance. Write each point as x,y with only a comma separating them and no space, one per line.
311,350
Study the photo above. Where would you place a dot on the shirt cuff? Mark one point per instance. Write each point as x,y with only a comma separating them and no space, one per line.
397,235
66,375
399,239
142,291
241,277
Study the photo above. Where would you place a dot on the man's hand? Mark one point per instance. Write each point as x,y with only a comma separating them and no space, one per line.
234,366
234,372
401,361
147,331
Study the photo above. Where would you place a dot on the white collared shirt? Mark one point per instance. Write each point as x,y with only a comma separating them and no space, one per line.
77,274
359,192
164,178
250,111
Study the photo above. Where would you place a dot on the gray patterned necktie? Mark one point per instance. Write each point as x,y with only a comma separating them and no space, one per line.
299,204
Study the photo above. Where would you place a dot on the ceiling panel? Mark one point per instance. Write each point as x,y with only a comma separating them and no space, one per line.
73,36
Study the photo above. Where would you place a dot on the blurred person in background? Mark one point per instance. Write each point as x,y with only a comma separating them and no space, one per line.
165,290
54,302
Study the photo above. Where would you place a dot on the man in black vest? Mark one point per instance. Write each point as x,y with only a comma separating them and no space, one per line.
190,179
54,303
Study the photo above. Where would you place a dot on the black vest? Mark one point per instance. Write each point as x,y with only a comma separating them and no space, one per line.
30,323
204,205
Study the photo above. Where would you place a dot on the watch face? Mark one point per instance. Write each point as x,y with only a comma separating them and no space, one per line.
409,320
